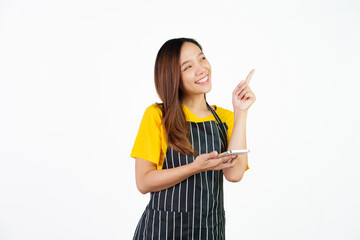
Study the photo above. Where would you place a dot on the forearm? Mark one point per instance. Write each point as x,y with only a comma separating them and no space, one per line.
238,141
157,180
148,179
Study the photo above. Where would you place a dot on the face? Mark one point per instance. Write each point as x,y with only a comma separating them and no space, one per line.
195,70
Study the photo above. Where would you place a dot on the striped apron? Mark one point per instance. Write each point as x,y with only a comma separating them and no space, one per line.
193,208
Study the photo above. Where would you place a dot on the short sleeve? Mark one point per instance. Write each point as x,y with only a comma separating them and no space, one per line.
227,116
148,142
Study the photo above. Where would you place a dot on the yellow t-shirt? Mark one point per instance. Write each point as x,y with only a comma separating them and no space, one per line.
150,143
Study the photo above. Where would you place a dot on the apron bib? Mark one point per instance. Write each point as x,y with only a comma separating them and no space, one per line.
193,208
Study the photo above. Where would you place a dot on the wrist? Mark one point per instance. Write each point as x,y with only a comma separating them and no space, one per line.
240,113
193,168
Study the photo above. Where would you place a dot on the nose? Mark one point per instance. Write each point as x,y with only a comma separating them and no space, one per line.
199,69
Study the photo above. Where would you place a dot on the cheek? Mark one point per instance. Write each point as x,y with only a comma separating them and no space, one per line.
186,79
208,66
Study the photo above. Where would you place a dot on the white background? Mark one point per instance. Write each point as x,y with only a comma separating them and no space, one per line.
76,77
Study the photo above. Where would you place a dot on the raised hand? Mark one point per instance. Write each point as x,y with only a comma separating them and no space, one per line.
242,96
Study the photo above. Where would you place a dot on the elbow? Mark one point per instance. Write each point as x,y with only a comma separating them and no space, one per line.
234,178
142,188
144,184
142,191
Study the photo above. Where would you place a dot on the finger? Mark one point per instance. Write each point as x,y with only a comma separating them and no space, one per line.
226,158
238,86
242,87
218,163
251,94
248,78
241,95
207,156
232,159
229,164
247,96
213,154
232,163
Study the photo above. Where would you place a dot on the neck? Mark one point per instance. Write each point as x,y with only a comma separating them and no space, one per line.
196,103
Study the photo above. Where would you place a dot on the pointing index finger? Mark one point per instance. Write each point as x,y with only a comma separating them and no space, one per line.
248,78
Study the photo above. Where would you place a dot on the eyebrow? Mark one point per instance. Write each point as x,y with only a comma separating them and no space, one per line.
190,60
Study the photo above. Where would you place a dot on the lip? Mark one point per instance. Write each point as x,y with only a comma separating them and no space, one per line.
196,82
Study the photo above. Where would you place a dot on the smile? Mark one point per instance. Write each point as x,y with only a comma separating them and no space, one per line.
204,80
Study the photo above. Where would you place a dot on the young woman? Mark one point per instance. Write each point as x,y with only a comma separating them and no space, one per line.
177,145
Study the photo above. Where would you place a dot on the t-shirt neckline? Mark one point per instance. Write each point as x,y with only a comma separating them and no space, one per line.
190,116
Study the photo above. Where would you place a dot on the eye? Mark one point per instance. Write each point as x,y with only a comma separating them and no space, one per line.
203,58
187,67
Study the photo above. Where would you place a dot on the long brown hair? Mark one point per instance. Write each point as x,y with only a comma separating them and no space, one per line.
167,83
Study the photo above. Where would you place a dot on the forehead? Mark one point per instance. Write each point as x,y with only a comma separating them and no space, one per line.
189,51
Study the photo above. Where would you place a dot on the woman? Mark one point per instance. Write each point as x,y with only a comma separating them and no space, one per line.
177,145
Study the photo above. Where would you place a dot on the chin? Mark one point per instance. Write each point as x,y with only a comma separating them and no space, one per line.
207,91
209,87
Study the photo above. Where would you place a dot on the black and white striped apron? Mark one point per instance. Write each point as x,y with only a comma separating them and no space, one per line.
193,208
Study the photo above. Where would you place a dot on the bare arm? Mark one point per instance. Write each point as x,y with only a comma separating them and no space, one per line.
238,141
149,179
242,99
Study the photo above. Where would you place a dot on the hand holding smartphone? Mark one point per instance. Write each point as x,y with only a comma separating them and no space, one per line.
233,152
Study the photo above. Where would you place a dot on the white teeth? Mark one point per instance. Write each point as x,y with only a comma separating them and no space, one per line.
203,80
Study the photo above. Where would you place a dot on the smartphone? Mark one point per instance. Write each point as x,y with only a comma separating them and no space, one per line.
233,152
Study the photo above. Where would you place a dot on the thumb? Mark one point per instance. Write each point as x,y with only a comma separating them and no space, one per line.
212,154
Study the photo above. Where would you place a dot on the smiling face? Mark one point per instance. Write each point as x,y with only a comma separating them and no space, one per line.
195,70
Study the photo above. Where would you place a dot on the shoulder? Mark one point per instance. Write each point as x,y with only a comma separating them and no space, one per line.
154,109
153,113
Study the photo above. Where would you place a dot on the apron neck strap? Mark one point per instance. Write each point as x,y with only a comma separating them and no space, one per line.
221,127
